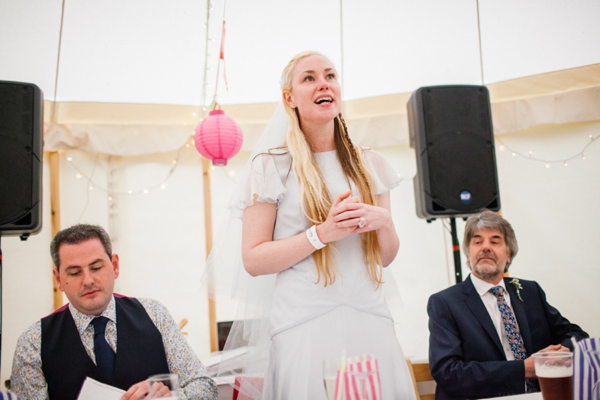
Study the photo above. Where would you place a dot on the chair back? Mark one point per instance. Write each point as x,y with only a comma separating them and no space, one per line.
420,372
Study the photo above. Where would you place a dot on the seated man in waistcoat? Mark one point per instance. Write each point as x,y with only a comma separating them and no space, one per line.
114,339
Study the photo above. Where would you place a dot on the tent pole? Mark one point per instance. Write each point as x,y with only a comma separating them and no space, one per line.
55,207
212,311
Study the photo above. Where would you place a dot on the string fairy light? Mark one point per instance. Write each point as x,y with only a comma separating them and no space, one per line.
547,163
111,192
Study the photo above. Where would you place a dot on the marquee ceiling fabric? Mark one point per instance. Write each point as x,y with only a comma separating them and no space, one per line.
132,129
130,68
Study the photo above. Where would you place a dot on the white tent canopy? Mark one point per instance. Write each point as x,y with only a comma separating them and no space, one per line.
152,52
138,65
123,83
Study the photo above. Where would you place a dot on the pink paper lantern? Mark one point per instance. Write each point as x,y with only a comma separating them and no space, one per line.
218,137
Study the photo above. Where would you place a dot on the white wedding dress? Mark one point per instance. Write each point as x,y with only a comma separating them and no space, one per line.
310,322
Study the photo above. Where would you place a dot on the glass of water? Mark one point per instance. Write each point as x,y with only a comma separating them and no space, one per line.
164,386
330,372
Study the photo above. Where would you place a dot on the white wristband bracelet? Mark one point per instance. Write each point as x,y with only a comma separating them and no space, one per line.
313,238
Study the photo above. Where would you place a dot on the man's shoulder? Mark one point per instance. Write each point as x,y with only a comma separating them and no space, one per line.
455,290
150,303
518,282
56,312
510,279
144,301
30,335
154,308
451,298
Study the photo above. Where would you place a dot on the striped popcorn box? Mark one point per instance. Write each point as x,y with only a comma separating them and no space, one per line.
8,396
586,369
361,378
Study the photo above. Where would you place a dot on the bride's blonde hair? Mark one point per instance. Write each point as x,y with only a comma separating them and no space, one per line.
316,198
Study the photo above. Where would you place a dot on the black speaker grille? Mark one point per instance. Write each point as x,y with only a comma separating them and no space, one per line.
20,153
448,109
459,163
451,131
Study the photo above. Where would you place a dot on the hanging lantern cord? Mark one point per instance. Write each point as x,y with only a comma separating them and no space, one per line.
221,53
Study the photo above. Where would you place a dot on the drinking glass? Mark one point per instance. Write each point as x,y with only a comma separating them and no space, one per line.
164,386
330,371
555,373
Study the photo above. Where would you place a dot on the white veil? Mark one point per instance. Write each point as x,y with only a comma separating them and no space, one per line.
225,277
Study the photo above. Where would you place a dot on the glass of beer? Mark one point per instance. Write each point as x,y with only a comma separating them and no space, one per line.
555,373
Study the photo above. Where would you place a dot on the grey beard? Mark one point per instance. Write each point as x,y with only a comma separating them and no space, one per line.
487,273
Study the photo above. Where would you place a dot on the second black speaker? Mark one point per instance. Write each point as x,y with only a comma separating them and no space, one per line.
451,131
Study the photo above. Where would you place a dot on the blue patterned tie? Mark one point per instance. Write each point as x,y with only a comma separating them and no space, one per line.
512,332
105,356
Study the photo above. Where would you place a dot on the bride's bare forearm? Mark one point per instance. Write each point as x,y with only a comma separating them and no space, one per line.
387,238
388,242
275,256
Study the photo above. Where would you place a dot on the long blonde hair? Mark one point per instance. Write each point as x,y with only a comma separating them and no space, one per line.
316,198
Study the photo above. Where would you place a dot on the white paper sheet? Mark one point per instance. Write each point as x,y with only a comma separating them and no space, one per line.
94,390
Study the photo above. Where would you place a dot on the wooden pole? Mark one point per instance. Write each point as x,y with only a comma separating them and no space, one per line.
55,207
212,310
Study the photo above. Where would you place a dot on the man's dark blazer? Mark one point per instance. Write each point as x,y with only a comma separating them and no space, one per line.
465,353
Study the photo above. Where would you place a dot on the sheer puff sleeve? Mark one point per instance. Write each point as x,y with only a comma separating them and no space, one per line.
384,176
261,180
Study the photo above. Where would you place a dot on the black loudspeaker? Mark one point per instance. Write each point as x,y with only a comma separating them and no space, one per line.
451,131
21,113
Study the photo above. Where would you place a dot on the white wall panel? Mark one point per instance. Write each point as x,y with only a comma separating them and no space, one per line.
132,51
29,32
153,52
399,46
521,38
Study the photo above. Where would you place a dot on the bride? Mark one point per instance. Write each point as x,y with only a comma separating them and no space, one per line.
316,215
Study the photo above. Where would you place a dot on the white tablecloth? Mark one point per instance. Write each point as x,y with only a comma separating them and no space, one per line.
528,396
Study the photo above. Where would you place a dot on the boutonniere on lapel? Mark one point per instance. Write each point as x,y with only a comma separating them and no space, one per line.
515,282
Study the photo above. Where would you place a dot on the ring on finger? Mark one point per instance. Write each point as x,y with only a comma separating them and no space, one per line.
361,222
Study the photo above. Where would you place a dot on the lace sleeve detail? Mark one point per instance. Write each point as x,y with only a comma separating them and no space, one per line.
261,180
384,175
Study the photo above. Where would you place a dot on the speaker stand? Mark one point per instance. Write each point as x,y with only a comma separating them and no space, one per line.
0,301
456,251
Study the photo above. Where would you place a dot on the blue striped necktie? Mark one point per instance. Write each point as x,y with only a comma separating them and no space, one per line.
512,332
105,356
